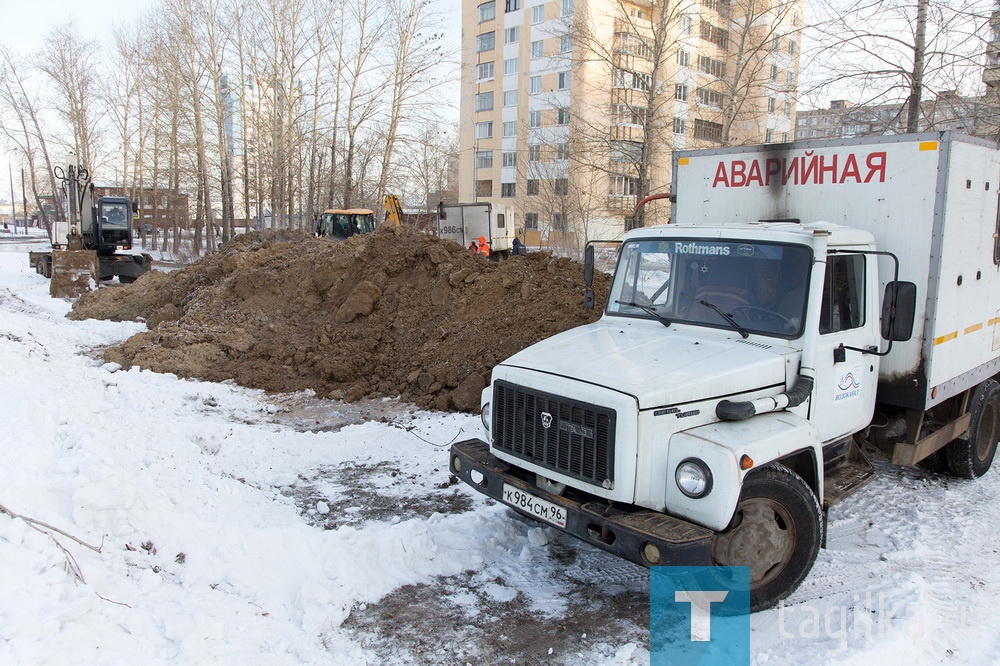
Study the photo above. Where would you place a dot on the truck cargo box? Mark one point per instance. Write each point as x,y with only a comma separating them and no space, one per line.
931,199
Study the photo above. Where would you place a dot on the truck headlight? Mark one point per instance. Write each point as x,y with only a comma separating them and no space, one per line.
485,415
693,478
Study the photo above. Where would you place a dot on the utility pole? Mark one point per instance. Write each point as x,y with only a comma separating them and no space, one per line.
24,202
13,214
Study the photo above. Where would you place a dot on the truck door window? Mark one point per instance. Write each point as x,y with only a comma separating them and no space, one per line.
843,294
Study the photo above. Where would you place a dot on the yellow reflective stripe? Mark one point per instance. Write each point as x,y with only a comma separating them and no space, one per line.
973,328
928,145
946,338
994,321
681,161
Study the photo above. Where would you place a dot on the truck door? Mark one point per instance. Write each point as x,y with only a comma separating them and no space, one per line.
843,396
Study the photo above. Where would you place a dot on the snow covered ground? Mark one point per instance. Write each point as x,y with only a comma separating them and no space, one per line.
208,523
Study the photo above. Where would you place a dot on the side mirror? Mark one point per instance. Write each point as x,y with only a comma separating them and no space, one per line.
899,306
588,278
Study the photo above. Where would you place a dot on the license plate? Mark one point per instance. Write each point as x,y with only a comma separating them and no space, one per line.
536,506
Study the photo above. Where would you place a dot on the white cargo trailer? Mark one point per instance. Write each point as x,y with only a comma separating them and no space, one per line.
467,222
810,302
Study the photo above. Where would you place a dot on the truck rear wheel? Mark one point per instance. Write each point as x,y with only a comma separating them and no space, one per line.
776,531
972,457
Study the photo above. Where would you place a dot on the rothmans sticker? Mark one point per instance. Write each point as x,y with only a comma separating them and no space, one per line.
701,248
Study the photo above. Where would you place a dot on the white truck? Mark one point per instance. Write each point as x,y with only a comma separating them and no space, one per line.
467,222
806,299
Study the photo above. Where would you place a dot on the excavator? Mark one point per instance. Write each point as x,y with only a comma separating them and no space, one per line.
98,235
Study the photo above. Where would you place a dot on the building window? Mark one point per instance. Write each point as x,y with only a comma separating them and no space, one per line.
531,221
788,109
484,159
558,222
707,130
484,101
632,44
711,98
535,119
510,98
563,80
561,186
784,137
624,186
565,43
512,5
534,152
681,92
717,36
484,71
771,104
712,66
510,35
622,114
567,7
789,77
791,47
484,130
562,115
510,66
485,42
537,49
537,14
686,24
487,11
484,188
509,129
508,190
532,187
634,80
774,72
629,152
535,84
562,151
769,136
683,58
680,126
509,158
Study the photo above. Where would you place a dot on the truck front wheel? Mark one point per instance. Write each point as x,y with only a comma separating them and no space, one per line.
972,457
776,531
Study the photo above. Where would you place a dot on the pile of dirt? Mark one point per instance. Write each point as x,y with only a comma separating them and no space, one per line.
394,313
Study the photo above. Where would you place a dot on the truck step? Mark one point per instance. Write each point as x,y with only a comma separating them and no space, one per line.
845,478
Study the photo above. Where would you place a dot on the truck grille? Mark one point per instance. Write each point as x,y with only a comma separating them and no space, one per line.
573,438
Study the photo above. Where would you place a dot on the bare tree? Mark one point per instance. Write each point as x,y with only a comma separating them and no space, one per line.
416,59
881,51
28,137
71,64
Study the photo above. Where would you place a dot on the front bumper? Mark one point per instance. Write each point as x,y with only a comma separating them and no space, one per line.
627,531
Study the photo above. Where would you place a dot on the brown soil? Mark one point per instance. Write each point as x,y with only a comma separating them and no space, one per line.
394,313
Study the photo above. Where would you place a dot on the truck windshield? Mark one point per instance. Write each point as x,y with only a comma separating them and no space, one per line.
738,285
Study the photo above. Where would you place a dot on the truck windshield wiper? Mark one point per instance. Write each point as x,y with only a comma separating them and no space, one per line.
648,310
725,315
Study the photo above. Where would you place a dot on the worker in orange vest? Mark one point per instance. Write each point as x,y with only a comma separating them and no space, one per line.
484,247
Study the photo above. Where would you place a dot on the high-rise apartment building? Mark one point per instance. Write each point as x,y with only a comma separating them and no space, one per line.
571,108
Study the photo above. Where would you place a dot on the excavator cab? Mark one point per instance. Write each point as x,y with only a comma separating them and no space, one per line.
345,223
